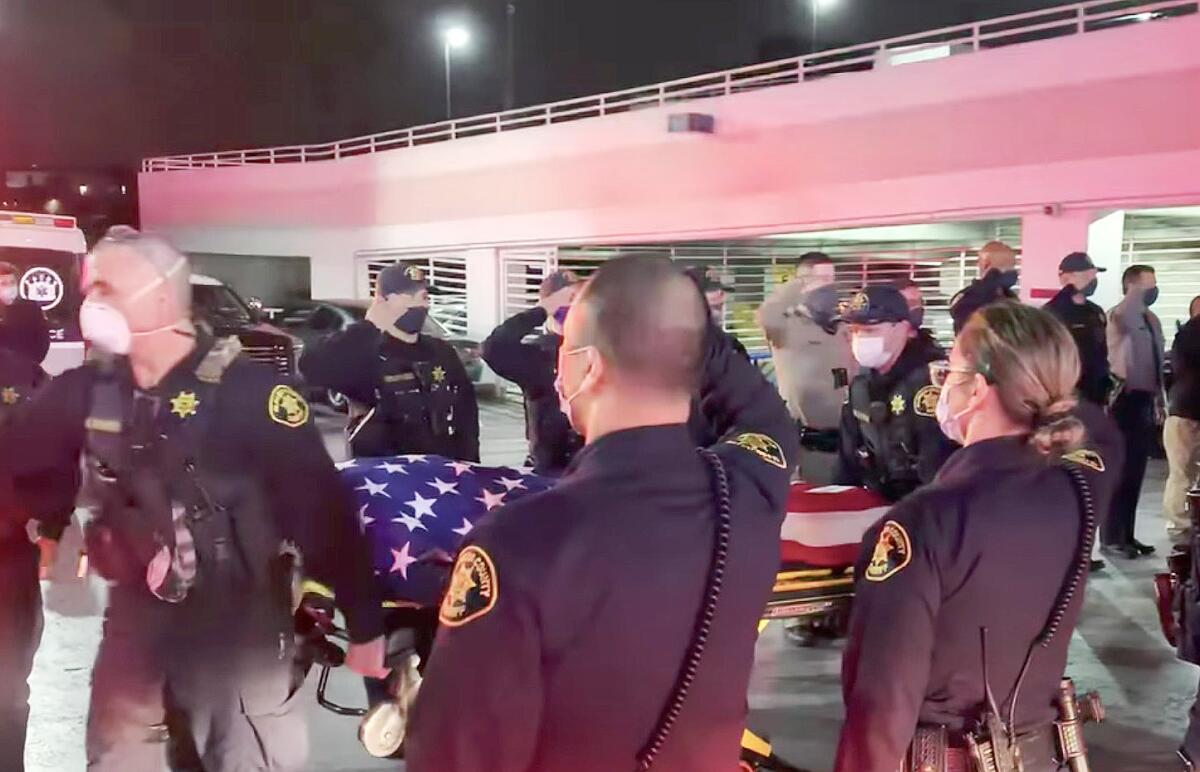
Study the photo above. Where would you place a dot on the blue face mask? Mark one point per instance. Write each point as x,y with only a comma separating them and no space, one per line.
1008,279
1150,295
560,315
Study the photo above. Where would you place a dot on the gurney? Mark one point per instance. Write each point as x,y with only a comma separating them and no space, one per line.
416,510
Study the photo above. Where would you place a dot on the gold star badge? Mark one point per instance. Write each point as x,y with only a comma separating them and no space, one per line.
9,395
184,404
898,404
439,374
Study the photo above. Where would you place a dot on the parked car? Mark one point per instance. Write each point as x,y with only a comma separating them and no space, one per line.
216,305
315,319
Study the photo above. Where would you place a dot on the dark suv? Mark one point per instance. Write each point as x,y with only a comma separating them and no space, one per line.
224,311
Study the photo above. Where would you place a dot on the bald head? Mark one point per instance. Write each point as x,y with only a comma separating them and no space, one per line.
646,318
998,255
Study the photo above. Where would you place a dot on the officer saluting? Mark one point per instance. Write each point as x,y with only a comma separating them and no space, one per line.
204,464
890,440
409,391
577,619
986,563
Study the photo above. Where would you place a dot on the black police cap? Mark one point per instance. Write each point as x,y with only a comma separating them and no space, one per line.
876,304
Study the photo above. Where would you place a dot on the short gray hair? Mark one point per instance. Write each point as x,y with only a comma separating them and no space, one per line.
161,254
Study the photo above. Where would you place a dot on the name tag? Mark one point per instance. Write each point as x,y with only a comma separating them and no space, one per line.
107,425
398,378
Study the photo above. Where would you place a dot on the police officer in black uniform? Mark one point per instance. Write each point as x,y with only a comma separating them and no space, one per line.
409,391
20,593
531,364
204,464
993,552
916,315
997,277
1085,321
23,326
577,618
890,440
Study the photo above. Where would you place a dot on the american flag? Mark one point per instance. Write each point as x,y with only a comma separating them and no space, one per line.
825,524
412,507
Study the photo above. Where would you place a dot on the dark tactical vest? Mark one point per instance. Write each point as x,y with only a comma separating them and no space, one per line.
145,467
413,413
888,452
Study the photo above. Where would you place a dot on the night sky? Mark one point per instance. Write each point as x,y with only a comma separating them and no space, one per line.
92,83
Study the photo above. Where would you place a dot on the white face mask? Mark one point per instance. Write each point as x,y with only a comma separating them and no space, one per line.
870,350
8,295
108,329
565,400
951,423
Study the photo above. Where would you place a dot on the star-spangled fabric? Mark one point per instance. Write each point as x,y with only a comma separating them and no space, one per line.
411,507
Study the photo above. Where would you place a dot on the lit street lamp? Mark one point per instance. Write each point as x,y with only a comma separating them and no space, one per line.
453,37
817,6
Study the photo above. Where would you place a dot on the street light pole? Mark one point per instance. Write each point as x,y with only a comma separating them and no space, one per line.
449,111
453,37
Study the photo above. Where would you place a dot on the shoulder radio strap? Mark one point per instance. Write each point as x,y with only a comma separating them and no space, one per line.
1071,583
704,621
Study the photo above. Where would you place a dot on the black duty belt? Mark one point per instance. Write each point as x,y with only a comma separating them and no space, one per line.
934,750
819,440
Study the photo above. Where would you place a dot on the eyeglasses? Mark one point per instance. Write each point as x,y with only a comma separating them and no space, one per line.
939,372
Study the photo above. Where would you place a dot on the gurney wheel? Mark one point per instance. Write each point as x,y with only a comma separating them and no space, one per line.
382,730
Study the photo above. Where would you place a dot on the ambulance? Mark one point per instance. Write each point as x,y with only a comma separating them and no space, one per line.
48,252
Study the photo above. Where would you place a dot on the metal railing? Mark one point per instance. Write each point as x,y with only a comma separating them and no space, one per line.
1061,21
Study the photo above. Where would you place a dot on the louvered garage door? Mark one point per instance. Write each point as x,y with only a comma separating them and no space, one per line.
521,274
1174,253
447,275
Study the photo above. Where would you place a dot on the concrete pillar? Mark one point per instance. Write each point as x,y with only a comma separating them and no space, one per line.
1106,237
1045,240
484,297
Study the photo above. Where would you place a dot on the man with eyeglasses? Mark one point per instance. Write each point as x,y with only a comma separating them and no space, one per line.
890,441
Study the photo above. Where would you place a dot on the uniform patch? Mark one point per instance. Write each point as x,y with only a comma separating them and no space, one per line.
859,301
762,446
1086,458
184,404
287,407
9,395
893,551
473,590
439,374
414,273
925,402
898,404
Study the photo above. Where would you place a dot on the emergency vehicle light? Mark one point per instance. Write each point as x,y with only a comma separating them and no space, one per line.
45,221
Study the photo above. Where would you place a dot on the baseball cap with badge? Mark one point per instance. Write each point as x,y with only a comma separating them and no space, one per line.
401,279
880,323
876,304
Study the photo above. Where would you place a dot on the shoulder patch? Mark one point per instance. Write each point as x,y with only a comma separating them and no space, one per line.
474,588
893,551
762,446
1087,458
287,407
925,402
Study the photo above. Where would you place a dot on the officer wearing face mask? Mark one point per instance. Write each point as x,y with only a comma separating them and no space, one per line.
409,392
916,310
1085,321
202,465
997,277
517,353
577,619
23,326
890,441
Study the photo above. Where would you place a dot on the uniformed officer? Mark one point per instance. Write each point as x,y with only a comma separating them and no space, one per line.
813,361
531,365
716,291
23,326
890,440
409,391
916,310
1085,321
997,277
979,557
20,593
203,464
577,618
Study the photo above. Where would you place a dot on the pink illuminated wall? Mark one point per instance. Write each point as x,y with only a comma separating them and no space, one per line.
1108,118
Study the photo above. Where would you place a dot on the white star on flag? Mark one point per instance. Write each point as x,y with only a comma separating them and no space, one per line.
401,560
392,468
413,459
444,487
491,500
411,523
510,484
374,489
465,529
362,516
460,467
344,465
421,506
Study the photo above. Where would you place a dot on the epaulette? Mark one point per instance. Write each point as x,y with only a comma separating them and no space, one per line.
218,359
